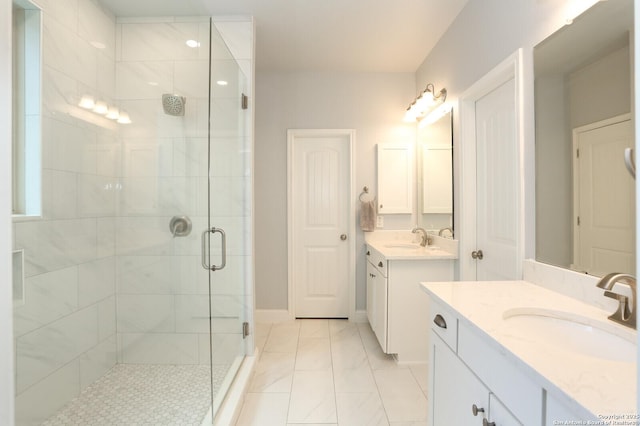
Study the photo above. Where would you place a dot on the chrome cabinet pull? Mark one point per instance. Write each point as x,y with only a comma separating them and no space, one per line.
343,237
486,422
440,322
380,264
477,254
223,241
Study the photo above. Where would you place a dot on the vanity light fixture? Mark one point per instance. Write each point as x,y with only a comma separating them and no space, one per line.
426,102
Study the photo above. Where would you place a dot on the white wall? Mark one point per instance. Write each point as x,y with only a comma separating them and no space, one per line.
6,308
371,103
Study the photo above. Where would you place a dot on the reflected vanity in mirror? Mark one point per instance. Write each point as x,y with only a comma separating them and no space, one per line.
435,174
585,202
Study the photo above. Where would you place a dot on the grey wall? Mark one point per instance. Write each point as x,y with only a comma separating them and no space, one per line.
373,104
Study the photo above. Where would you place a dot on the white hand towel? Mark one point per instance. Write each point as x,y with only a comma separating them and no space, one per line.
368,215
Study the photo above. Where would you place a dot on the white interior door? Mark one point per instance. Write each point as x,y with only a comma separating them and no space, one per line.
320,211
605,218
497,186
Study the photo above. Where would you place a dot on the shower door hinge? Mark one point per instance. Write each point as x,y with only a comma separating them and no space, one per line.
245,330
245,101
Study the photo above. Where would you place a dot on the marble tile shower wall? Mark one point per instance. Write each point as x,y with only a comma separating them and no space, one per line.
65,331
162,289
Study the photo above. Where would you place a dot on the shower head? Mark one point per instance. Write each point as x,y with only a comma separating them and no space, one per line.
173,104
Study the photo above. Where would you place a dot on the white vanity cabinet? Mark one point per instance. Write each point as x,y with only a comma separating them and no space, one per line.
377,295
465,372
397,308
456,391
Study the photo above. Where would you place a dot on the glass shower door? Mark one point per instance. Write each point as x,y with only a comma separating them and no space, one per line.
229,213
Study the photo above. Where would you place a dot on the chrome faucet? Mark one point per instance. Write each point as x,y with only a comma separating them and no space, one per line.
626,313
425,239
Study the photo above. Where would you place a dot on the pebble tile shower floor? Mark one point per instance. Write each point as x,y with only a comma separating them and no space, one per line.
144,395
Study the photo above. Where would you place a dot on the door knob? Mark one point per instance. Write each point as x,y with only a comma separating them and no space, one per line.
475,410
343,237
477,254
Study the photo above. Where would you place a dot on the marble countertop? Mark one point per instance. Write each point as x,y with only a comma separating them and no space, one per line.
399,249
591,385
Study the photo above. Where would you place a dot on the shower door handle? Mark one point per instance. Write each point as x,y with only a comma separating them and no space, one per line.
223,241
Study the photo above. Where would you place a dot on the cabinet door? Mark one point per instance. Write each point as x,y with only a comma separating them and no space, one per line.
380,302
371,296
499,414
395,178
455,389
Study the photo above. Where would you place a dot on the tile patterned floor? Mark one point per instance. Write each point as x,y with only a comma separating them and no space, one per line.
144,395
330,372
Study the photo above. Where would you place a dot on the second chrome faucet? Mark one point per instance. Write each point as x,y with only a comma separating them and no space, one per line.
626,313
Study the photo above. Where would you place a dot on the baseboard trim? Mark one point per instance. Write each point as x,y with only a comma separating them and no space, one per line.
360,317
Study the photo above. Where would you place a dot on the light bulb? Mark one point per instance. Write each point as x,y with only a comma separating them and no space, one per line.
87,102
100,108
124,118
113,113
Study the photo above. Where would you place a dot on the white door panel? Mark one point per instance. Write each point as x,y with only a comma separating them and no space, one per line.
320,191
604,235
498,194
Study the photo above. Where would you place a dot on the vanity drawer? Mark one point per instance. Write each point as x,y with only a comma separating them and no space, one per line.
444,323
377,260
500,374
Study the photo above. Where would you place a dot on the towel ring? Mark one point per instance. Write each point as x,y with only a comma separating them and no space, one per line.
365,191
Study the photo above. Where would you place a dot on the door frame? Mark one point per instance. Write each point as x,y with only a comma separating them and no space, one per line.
510,68
292,135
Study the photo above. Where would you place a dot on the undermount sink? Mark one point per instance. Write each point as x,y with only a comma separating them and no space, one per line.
575,333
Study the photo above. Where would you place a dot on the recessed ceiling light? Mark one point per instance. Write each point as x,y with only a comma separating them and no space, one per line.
222,82
193,43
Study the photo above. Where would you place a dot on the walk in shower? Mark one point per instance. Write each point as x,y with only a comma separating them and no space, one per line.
133,281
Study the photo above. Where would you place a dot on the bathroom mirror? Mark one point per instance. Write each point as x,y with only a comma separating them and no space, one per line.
435,175
585,214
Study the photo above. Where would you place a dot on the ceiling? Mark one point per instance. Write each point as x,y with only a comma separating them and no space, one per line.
324,35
